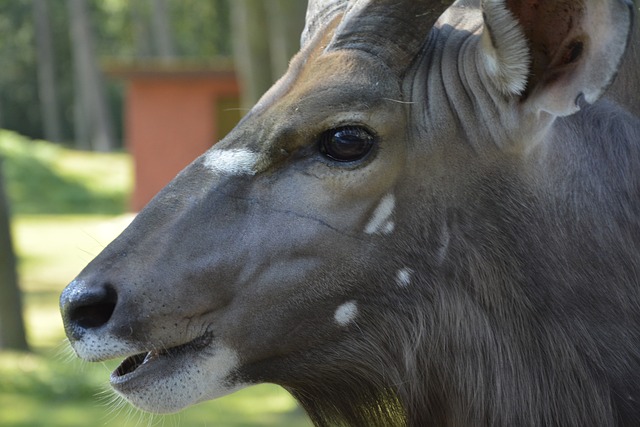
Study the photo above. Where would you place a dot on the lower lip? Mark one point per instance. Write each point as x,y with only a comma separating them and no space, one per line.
160,362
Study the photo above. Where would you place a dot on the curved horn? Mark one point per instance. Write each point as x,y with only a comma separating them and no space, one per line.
319,14
393,30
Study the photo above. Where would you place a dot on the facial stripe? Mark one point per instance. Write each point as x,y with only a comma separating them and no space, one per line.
381,221
346,313
232,162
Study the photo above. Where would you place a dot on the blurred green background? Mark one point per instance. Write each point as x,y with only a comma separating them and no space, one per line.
67,205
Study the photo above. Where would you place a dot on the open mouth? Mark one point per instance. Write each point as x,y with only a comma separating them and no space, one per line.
141,362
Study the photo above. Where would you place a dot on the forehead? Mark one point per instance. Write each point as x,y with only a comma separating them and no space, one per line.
346,78
320,91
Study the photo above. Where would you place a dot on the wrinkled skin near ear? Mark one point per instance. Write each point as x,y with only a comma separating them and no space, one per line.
557,56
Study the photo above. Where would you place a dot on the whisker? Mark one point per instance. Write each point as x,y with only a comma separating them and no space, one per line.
64,352
102,245
398,101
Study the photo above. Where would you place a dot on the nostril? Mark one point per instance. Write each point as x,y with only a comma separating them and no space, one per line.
93,308
93,316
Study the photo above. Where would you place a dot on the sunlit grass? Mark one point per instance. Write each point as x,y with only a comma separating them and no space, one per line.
45,178
52,250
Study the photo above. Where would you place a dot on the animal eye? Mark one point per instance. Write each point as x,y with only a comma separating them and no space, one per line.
346,144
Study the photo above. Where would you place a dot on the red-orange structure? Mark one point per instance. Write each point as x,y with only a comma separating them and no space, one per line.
172,115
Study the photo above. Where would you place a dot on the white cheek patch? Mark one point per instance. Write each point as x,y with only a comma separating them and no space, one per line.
403,277
382,219
196,379
232,162
346,313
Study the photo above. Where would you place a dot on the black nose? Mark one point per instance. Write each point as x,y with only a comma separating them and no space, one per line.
84,308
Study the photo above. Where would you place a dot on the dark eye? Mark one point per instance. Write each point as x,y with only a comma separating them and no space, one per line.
346,144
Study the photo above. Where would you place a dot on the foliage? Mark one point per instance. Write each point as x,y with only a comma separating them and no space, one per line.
201,31
45,178
19,101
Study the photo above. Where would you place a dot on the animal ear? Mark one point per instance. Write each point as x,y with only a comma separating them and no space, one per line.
556,55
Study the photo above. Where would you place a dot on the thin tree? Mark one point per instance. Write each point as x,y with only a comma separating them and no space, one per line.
12,330
265,36
162,33
93,118
141,31
286,21
46,72
251,48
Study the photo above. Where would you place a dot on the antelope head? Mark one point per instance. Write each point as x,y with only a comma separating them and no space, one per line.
316,246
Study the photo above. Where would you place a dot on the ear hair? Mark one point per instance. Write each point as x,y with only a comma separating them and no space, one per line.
557,55
505,52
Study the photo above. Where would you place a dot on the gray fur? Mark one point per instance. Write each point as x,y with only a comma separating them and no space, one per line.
521,230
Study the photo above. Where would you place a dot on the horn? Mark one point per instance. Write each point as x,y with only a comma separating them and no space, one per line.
393,30
319,14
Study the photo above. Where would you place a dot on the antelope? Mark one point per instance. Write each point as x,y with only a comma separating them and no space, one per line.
432,219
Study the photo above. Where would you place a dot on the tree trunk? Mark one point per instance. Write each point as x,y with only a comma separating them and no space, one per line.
46,74
89,80
286,21
162,34
251,49
12,331
266,34
141,36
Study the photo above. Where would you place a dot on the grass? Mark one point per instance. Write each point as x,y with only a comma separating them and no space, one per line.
46,178
50,387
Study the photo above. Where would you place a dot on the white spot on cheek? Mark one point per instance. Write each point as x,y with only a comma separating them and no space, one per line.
346,313
232,162
403,277
381,221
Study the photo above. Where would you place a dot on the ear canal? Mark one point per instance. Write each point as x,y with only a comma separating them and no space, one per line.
392,30
557,55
